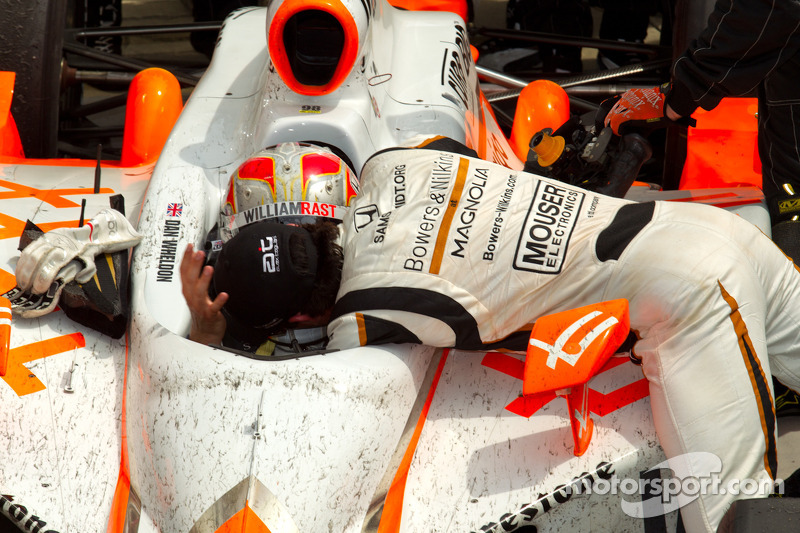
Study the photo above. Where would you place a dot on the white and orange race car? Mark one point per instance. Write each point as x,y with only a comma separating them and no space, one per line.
134,428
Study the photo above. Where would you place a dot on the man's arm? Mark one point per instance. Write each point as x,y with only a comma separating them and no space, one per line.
208,324
743,41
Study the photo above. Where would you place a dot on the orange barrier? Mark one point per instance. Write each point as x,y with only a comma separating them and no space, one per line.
542,104
10,143
722,150
154,104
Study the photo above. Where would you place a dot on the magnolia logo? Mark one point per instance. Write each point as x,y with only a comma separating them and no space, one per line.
269,258
572,353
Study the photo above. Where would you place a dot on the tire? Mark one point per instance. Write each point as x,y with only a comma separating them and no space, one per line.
31,45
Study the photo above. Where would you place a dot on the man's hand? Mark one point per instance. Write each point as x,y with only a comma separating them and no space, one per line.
639,109
208,323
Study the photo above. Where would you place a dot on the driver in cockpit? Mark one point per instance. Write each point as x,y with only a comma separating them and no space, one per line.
298,185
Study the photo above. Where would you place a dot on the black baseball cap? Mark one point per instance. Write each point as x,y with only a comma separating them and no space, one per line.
266,283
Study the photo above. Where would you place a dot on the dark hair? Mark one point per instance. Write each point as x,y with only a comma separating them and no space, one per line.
329,265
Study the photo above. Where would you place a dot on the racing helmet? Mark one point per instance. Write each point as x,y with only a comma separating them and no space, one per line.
293,182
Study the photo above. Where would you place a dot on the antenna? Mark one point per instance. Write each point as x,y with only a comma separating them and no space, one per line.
97,170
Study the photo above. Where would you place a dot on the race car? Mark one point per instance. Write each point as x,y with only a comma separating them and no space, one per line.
143,430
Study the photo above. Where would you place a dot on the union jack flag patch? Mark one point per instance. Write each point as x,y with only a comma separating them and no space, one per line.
174,210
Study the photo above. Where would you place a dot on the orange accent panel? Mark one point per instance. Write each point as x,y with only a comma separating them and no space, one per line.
722,150
700,198
542,104
756,373
277,50
429,140
362,329
602,404
459,7
496,150
599,403
508,365
708,197
7,281
53,197
580,422
6,95
568,348
56,162
447,219
10,144
739,202
486,151
393,505
119,505
11,227
5,333
482,134
245,521
154,103
22,380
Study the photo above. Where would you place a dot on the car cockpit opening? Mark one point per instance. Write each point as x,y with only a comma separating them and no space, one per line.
314,44
314,41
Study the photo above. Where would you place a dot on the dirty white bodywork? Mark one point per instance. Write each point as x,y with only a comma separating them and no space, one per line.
312,443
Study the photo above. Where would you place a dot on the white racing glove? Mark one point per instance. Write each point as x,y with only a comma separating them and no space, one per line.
65,254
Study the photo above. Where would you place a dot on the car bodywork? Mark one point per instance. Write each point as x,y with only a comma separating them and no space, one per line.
152,432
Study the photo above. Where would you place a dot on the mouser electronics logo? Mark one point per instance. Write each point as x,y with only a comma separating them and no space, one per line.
548,226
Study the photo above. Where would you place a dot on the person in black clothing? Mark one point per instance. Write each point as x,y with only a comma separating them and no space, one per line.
747,46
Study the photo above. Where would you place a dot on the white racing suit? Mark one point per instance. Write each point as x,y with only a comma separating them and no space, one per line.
453,251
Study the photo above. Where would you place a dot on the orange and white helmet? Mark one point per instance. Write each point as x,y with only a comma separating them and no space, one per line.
292,183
